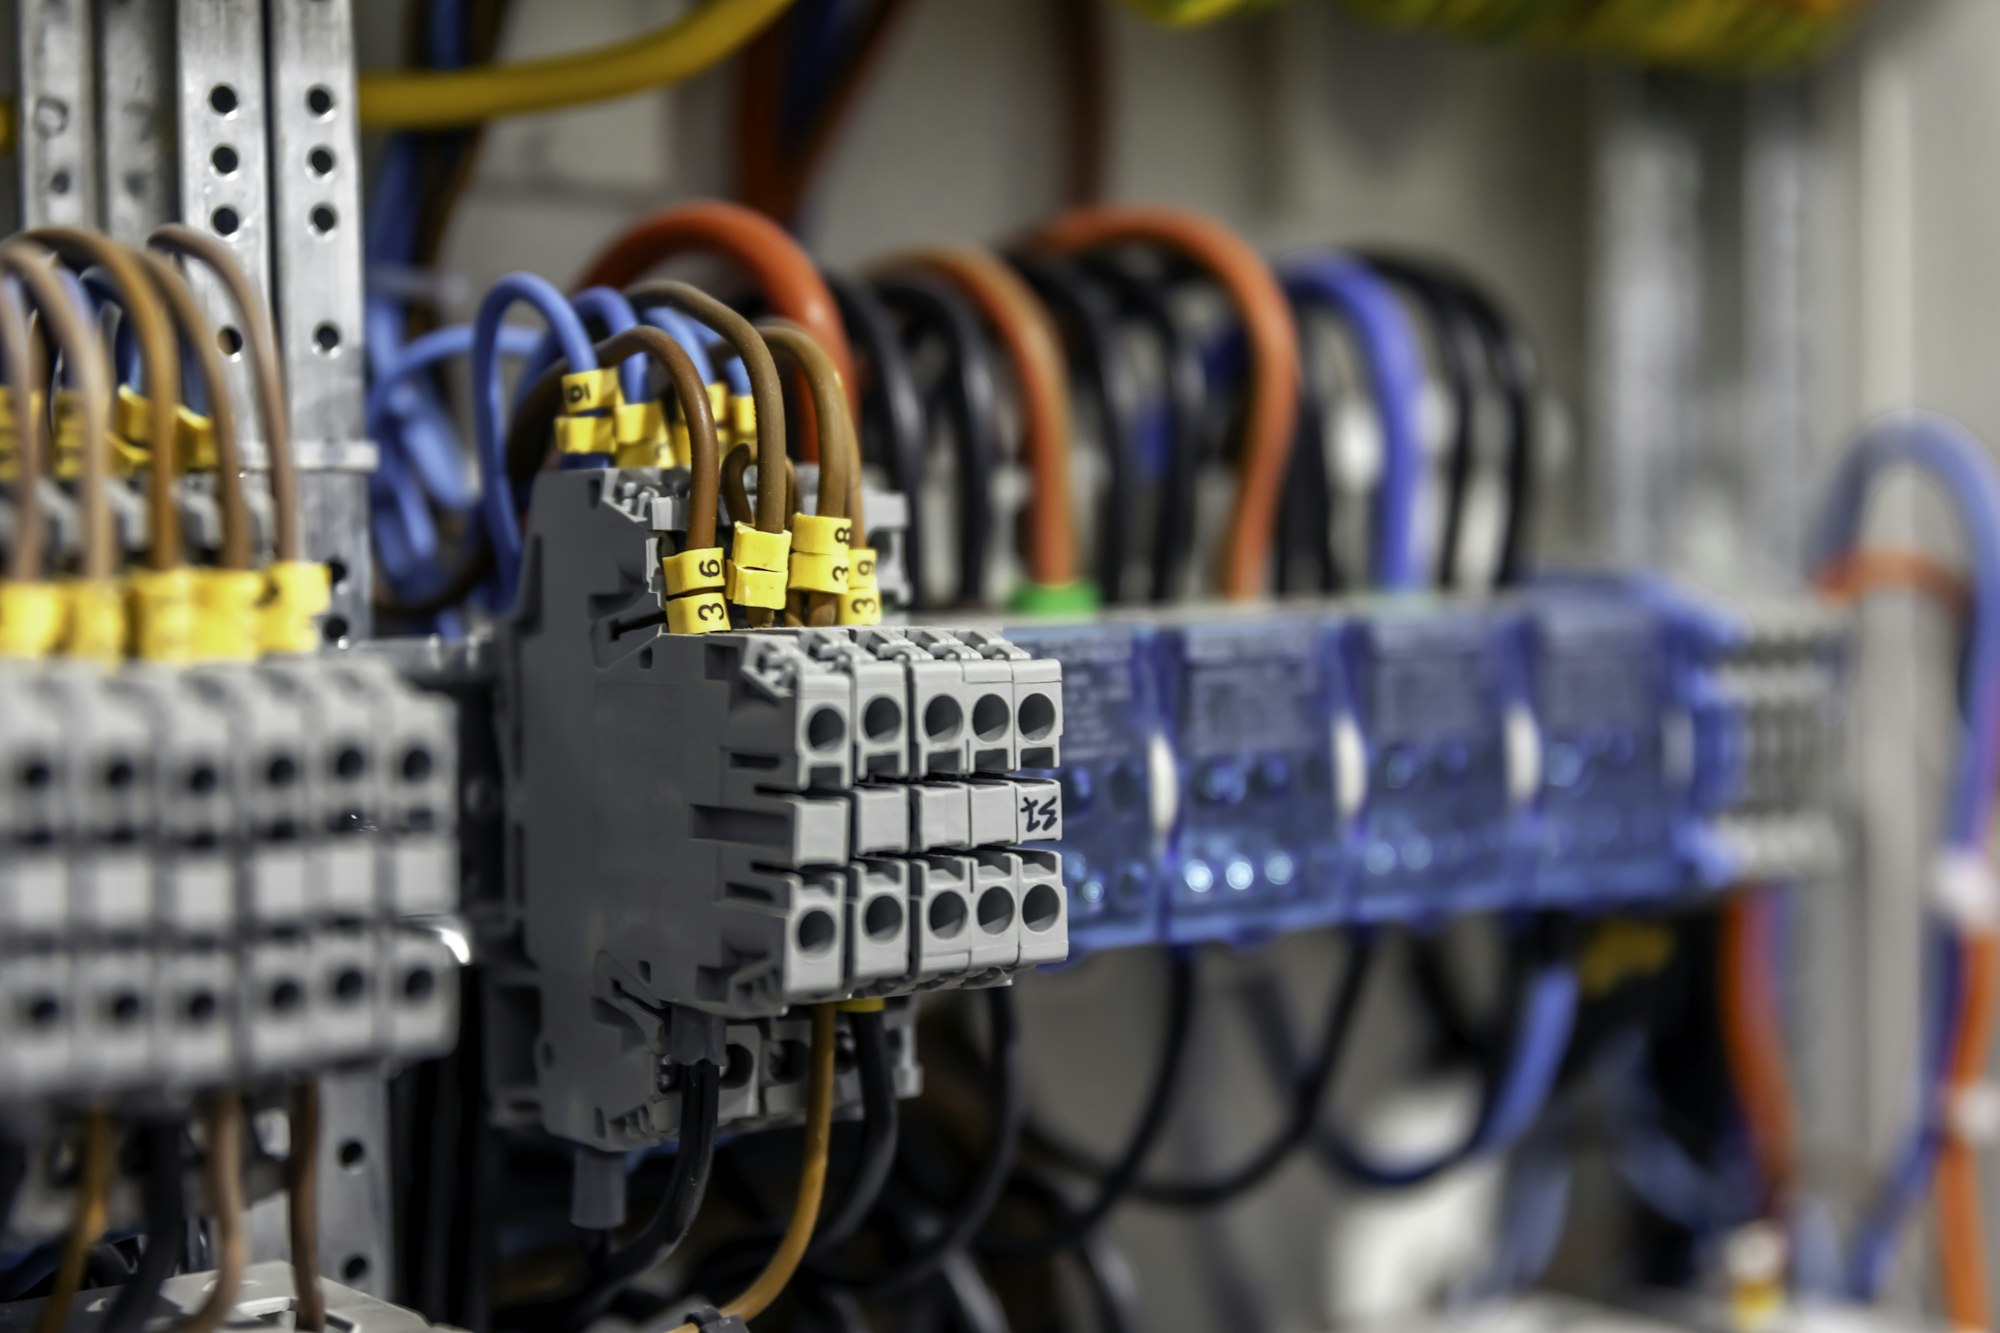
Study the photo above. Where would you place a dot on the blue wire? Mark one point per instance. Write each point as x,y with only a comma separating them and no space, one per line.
610,309
1540,1041
1966,474
497,494
1394,365
698,338
1876,1244
444,479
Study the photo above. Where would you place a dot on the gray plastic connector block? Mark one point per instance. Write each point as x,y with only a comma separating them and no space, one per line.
416,801
34,816
266,754
193,871
337,784
113,997
712,821
38,1025
108,762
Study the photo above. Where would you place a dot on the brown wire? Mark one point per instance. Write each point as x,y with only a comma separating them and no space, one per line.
83,354
31,433
736,494
197,333
161,359
223,1123
1034,353
839,453
1081,48
1274,357
765,388
260,341
302,1207
93,1190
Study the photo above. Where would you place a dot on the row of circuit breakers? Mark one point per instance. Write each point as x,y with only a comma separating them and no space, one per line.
658,844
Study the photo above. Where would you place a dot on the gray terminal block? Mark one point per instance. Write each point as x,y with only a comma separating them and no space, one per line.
416,787
114,992
38,1028
337,783
420,975
728,822
195,1016
109,770
265,756
34,814
193,861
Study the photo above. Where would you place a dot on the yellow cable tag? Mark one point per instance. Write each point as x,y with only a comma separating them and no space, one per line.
68,437
818,573
97,623
583,435
132,415
680,446
163,614
589,390
718,403
31,619
697,613
753,548
698,570
815,535
860,608
228,623
126,457
300,593
196,441
743,415
756,587
860,569
639,423
37,403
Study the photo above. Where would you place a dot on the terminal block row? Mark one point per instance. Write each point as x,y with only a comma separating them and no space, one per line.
1588,742
740,822
219,874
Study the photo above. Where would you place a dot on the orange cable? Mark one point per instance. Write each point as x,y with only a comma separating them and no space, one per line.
1274,357
1871,569
1034,353
782,271
1753,1043
1961,1227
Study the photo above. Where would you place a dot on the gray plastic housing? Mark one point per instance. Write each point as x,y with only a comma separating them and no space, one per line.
739,822
198,890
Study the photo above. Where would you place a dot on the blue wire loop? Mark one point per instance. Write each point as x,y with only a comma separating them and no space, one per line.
1394,366
1966,475
496,494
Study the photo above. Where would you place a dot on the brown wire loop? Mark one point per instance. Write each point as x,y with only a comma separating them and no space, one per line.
25,558
260,339
197,333
83,355
160,356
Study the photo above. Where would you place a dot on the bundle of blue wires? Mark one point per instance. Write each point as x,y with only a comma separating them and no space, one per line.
1966,474
1393,364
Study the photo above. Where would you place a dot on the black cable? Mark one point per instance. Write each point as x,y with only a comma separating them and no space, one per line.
1456,348
1511,361
165,1203
936,309
1073,1225
880,1125
1303,556
1114,1298
1007,1096
1529,953
1099,369
104,1266
1185,402
893,421
701,1095
1308,1094
13,1175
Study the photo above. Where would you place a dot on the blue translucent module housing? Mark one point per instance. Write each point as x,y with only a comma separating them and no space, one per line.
1255,846
1112,844
1596,743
